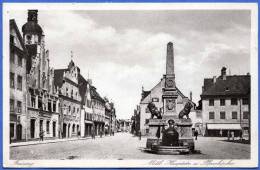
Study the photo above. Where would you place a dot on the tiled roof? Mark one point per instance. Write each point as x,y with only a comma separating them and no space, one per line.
232,85
95,95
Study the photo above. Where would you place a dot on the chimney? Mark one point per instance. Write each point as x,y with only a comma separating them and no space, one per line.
223,73
214,79
33,16
190,96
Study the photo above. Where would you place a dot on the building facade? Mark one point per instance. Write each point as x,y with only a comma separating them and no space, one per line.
42,99
18,58
98,106
86,117
67,85
226,104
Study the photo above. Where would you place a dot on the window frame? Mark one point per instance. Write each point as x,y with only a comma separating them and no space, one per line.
221,114
232,116
12,107
232,101
19,83
211,102
222,102
12,80
19,108
210,114
246,117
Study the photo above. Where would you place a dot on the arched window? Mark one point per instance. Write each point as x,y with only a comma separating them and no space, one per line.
73,128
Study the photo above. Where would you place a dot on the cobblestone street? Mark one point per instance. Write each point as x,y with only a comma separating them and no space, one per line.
125,146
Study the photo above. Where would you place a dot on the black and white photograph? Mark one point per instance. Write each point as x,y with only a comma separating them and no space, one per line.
130,85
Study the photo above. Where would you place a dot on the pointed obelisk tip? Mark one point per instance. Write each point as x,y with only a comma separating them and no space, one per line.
170,44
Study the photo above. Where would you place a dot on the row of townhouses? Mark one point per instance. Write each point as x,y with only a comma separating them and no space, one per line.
59,102
224,106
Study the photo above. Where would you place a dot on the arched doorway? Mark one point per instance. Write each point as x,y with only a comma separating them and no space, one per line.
19,132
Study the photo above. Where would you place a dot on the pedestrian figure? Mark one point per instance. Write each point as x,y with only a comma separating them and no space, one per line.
140,135
233,135
196,134
101,133
241,135
228,134
41,135
93,133
78,134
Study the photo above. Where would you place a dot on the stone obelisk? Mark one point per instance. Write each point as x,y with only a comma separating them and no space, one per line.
169,91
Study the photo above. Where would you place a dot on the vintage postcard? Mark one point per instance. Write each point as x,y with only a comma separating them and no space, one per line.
130,85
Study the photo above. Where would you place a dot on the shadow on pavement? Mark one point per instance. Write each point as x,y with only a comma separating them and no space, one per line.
236,141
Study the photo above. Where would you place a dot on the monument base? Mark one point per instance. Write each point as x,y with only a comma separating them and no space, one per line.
154,141
169,150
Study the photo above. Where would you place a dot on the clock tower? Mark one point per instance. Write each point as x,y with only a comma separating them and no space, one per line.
169,90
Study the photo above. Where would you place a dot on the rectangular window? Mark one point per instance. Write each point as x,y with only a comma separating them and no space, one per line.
12,80
211,115
54,106
19,106
12,56
48,126
19,82
40,103
222,102
11,105
234,101
211,102
245,101
20,61
49,106
234,115
146,121
245,115
222,115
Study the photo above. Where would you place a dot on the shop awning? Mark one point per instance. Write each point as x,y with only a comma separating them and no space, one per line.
88,122
224,126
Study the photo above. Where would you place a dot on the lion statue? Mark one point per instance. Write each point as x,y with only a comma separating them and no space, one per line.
186,110
154,110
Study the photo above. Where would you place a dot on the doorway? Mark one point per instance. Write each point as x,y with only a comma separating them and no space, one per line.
54,129
19,132
32,128
64,130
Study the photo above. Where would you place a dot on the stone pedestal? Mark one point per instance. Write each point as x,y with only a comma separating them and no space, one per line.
154,125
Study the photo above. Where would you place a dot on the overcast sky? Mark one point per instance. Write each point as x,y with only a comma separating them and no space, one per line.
125,50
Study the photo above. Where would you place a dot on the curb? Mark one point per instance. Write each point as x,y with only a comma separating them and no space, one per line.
53,141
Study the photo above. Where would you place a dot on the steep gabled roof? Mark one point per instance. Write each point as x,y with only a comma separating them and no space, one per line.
14,26
95,95
232,85
82,88
58,77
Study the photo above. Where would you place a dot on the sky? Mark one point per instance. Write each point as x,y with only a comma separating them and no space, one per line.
122,51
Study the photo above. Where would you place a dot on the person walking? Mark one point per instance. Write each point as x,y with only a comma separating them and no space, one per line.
93,133
101,133
41,134
196,134
233,136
